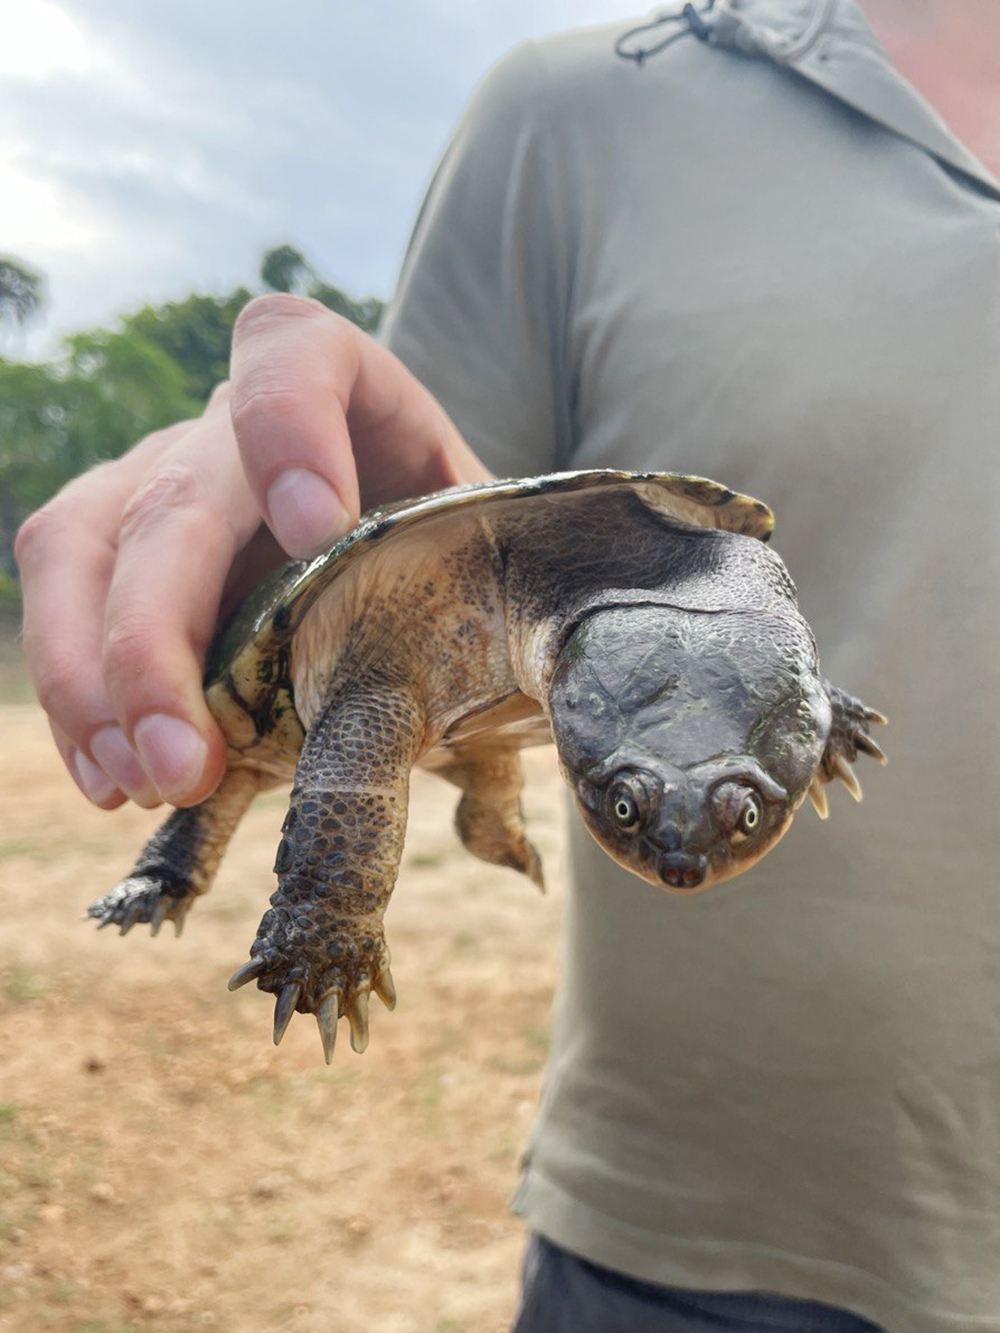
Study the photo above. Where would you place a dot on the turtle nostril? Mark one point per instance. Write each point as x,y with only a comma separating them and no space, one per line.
682,871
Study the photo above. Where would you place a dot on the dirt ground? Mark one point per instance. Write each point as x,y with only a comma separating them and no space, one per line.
163,1167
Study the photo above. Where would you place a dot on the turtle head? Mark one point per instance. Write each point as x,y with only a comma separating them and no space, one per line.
689,738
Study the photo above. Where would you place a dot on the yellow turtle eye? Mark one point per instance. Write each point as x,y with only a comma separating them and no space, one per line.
624,809
750,815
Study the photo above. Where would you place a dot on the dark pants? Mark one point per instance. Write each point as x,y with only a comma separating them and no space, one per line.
565,1294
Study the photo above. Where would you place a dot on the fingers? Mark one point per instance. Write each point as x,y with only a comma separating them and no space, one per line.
323,415
122,575
66,563
179,535
92,781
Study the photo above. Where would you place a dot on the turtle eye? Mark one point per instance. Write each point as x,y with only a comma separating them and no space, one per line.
739,810
750,815
624,808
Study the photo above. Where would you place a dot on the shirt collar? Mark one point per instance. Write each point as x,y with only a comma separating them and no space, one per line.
831,43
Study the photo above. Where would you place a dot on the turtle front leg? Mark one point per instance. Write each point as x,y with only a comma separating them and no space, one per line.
320,948
179,862
849,734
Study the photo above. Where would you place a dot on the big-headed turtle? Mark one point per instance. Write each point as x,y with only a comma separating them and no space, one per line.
638,619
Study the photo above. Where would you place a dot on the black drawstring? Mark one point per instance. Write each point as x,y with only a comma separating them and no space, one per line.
695,24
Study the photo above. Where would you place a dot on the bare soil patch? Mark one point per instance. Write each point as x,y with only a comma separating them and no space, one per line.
164,1168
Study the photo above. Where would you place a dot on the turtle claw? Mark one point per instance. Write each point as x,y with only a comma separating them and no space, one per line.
285,1007
248,972
840,768
385,988
131,914
865,743
326,1018
159,916
817,794
357,1016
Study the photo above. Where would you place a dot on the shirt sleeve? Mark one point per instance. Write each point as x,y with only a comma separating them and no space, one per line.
480,311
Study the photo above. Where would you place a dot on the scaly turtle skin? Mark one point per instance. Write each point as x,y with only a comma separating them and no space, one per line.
638,619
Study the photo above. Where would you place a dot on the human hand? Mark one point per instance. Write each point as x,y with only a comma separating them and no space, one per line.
126,570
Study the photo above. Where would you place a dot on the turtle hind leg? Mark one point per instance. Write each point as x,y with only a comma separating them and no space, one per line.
490,817
850,734
179,861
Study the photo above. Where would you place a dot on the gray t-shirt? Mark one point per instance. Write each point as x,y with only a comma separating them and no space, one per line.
764,259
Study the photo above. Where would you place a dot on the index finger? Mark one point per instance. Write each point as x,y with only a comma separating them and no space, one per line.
325,417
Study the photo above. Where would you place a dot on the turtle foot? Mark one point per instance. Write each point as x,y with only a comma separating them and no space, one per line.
850,735
142,900
329,974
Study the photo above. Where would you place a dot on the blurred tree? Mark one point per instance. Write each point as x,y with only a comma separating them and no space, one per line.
284,269
195,333
109,388
56,421
22,291
366,313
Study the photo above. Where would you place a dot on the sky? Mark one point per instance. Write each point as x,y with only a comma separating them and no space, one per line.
152,148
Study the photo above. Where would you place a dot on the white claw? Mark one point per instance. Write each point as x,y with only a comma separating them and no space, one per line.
159,915
285,1007
326,1016
248,972
385,989
867,746
846,773
817,794
357,1016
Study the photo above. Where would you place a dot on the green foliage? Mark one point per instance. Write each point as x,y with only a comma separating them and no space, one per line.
57,420
366,313
110,387
195,333
22,291
284,269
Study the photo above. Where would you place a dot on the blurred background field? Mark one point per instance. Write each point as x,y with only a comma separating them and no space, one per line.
164,1168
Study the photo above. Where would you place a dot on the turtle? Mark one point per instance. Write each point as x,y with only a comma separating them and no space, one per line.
638,619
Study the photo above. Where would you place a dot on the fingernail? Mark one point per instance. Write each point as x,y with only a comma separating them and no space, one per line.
112,751
306,513
92,781
172,753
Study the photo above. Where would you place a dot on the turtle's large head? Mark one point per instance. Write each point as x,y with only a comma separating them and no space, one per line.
689,738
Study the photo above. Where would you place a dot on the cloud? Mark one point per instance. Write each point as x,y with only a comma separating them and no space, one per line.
194,136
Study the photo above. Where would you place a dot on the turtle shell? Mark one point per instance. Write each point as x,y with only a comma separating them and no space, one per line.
248,682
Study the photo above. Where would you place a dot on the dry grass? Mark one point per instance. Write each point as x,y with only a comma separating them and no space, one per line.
164,1168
